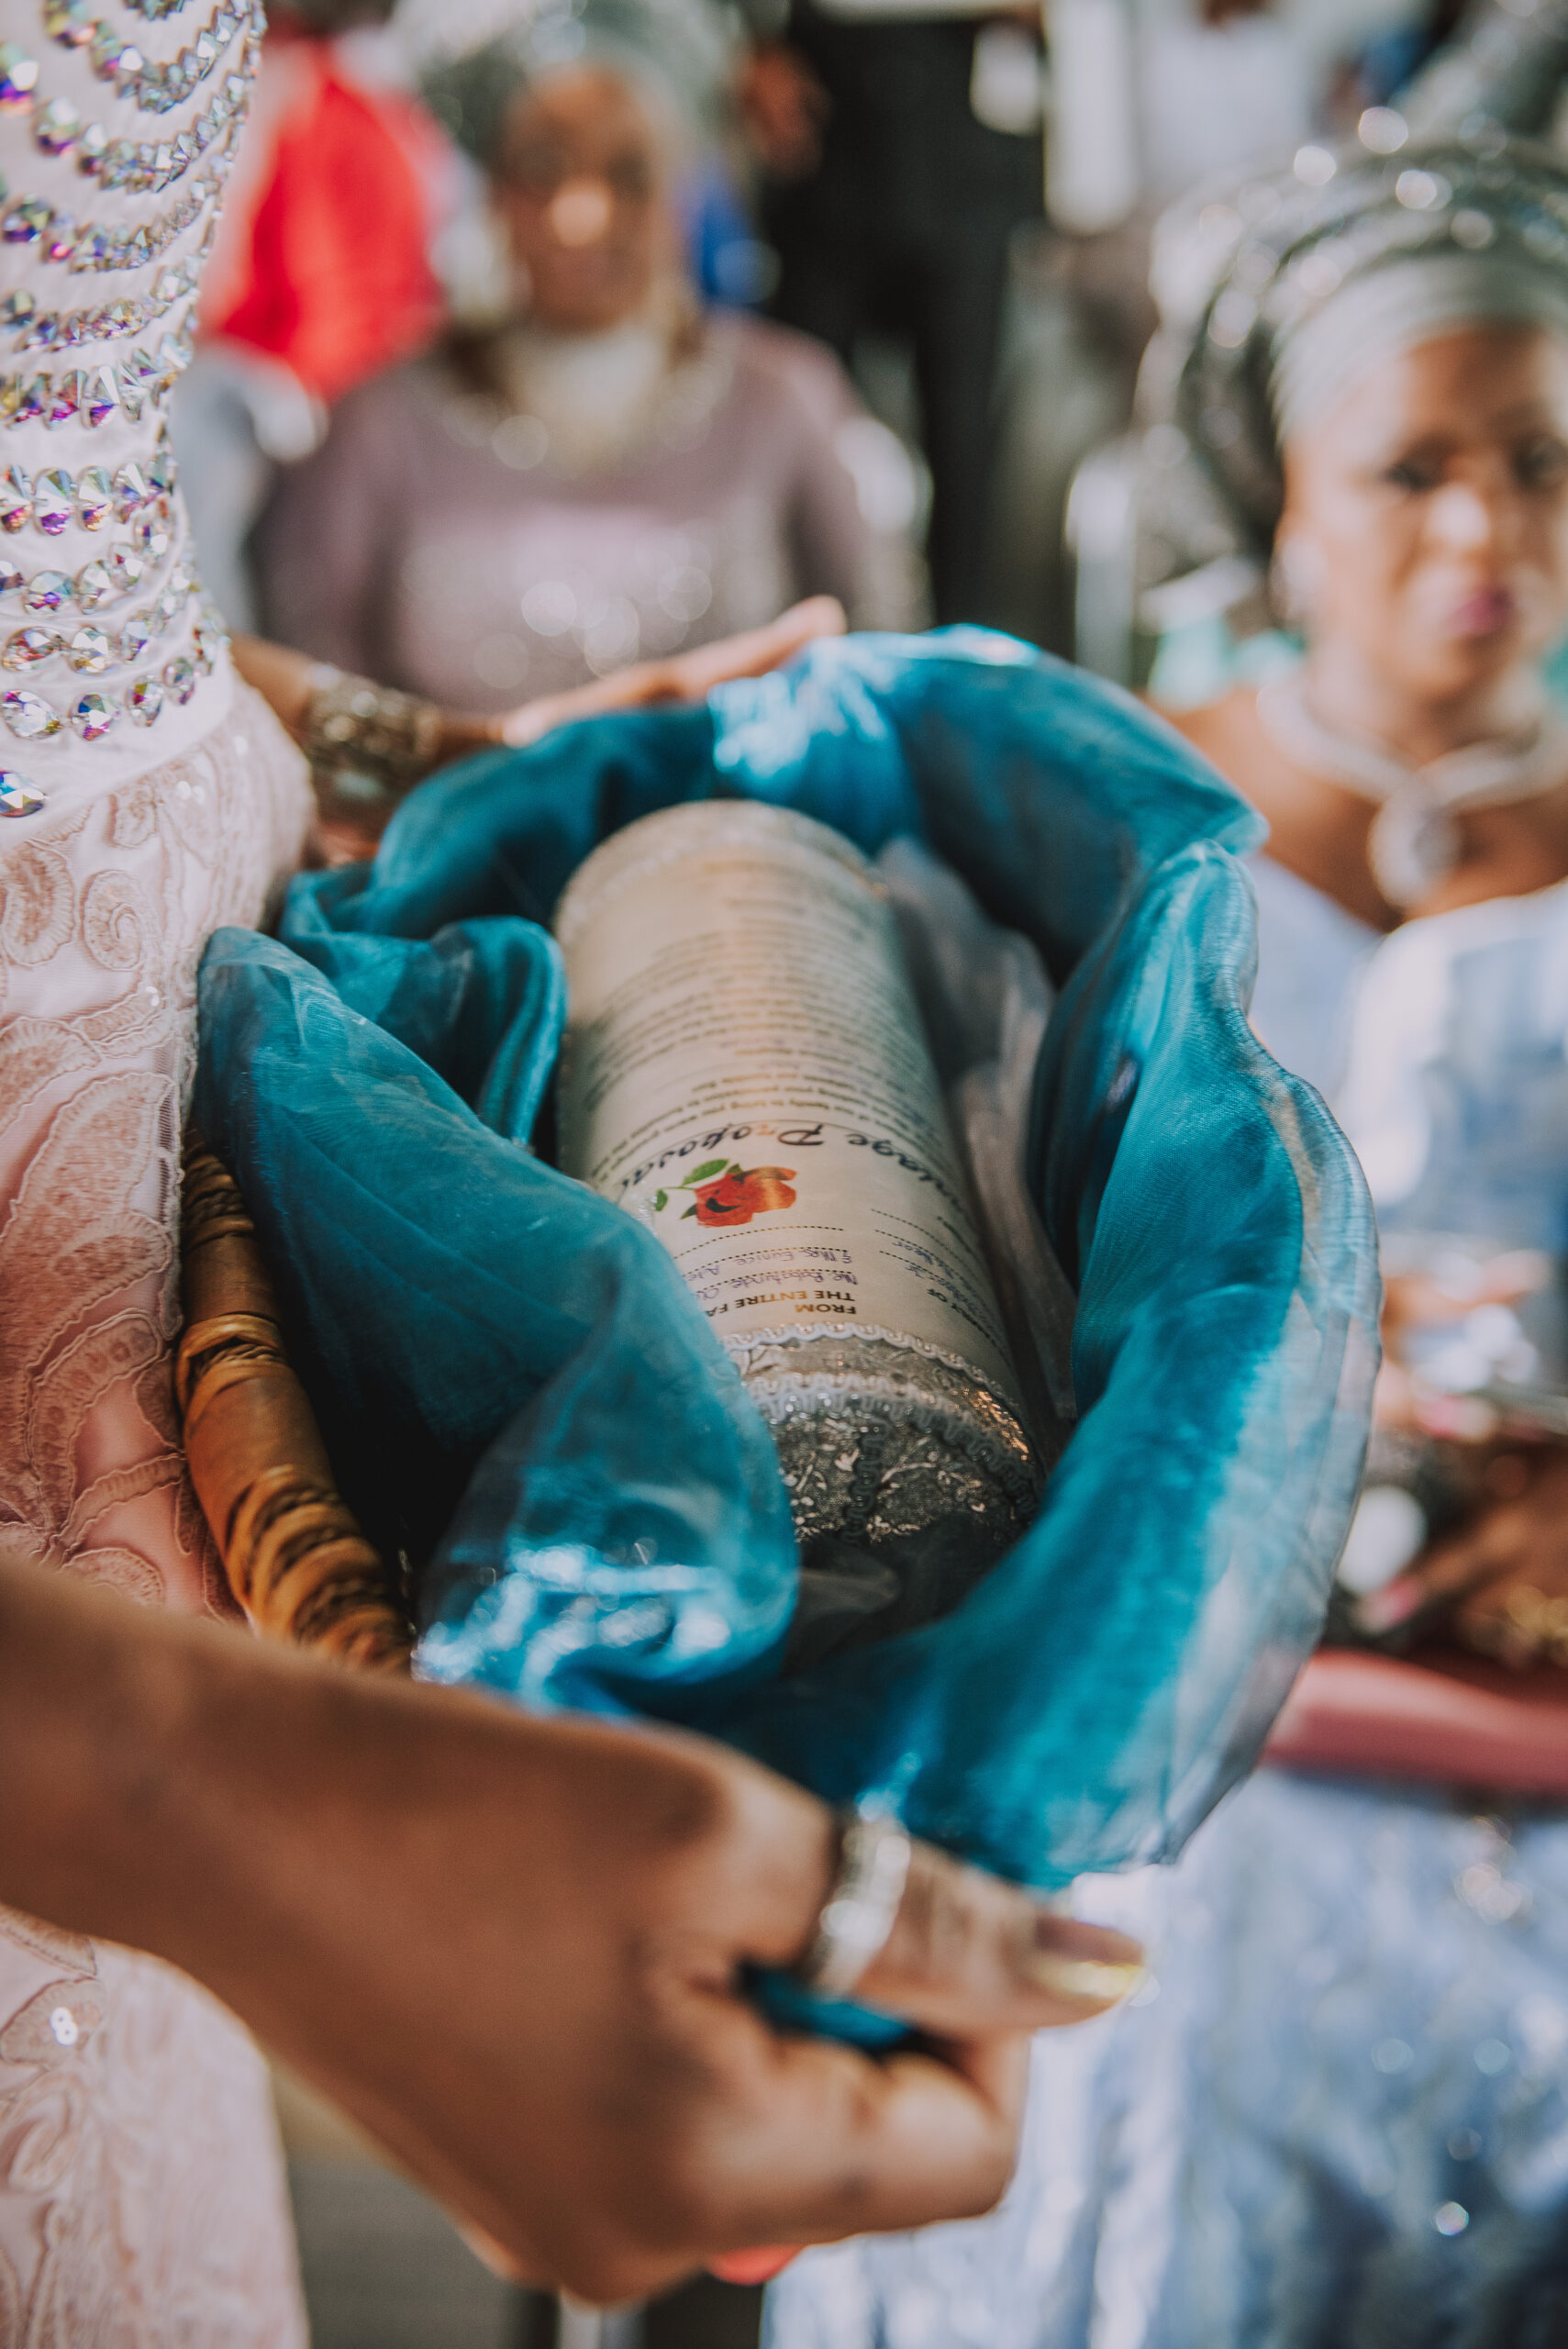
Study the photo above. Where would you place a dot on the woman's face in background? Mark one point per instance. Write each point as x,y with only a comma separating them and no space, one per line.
1426,520
581,189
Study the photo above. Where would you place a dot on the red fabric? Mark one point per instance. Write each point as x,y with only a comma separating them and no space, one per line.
1442,1718
339,283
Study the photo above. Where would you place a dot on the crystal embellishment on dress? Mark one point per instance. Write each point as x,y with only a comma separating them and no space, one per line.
15,500
19,78
98,581
111,322
92,715
28,646
156,88
17,796
26,221
23,402
54,500
101,397
138,542
94,498
70,22
65,398
29,717
122,566
57,125
94,397
89,651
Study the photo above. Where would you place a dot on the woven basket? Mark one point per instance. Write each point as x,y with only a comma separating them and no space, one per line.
295,1560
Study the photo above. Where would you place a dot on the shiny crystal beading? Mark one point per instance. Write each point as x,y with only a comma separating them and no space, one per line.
17,795
92,395
92,499
33,717
78,665
109,322
155,86
137,166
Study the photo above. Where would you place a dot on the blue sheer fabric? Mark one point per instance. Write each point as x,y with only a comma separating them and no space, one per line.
519,1394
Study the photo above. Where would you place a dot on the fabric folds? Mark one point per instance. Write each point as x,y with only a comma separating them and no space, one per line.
521,1398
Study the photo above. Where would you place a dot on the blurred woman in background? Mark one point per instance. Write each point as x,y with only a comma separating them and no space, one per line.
1340,2115
606,473
320,274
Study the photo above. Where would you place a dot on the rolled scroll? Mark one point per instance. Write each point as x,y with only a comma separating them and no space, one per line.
295,1560
745,1070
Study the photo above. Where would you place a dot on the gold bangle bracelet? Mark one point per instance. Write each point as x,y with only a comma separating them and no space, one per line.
353,726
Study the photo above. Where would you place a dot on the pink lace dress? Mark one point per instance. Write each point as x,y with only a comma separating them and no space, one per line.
145,798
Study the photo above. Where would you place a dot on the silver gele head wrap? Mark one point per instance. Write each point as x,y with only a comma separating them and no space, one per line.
1391,309
1327,271
670,49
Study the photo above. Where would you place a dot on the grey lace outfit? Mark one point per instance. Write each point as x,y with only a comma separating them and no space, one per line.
436,543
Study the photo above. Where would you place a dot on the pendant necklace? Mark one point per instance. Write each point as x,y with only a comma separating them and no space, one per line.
1414,840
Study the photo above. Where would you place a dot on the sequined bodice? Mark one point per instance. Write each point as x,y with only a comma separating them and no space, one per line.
117,131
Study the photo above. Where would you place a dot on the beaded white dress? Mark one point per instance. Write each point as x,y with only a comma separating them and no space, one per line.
146,797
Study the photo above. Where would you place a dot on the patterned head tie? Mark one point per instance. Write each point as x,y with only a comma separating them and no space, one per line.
671,50
1320,276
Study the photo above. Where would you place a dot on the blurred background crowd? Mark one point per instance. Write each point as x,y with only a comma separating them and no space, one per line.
544,336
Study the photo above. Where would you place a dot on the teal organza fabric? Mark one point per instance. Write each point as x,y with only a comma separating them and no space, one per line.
520,1395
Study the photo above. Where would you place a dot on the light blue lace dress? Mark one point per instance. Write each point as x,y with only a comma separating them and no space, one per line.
1337,2116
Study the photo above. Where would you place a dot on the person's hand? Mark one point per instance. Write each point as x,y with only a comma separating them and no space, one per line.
1500,1584
684,676
349,829
785,108
515,1950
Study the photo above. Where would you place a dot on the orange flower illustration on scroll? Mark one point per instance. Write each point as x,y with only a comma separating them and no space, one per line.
726,1193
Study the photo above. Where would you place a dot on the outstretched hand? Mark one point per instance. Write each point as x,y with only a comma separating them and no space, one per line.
516,1950
684,676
